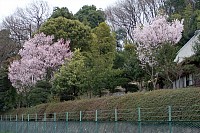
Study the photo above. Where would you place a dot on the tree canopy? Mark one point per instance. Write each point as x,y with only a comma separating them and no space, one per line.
90,16
62,12
73,30
100,59
70,78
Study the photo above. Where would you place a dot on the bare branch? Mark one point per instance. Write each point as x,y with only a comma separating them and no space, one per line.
128,13
26,21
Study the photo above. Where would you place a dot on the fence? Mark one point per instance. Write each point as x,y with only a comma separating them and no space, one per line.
171,119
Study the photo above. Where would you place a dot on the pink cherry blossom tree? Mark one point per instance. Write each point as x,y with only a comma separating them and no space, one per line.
151,37
39,57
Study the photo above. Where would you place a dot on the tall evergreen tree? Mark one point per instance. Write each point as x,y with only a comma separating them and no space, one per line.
100,60
90,16
62,12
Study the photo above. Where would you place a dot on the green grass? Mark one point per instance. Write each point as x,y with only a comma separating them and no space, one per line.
153,104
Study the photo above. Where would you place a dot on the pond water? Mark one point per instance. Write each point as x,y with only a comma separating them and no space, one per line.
98,127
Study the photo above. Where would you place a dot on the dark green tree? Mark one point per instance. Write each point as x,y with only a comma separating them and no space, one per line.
62,12
167,68
197,19
39,94
187,10
90,15
8,50
189,22
128,62
196,47
100,59
175,6
73,30
8,93
197,4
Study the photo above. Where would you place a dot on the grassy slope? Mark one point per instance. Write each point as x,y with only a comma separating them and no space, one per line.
153,99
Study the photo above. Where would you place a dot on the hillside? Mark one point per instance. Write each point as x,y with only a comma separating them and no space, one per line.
154,105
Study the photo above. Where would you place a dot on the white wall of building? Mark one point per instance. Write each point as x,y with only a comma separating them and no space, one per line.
187,49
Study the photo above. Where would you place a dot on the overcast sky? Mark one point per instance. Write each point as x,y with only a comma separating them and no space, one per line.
8,7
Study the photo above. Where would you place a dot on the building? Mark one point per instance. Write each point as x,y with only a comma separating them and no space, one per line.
186,51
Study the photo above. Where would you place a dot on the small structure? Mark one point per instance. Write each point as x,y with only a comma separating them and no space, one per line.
186,51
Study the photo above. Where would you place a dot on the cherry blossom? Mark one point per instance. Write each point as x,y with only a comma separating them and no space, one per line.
38,55
152,36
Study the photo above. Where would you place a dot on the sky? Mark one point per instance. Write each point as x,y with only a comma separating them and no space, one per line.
7,7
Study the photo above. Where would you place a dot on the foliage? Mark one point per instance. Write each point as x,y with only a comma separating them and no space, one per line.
196,47
70,78
174,6
166,66
7,92
62,12
187,10
78,34
89,71
192,63
8,95
100,59
190,16
128,62
90,16
151,37
39,58
197,19
39,93
132,64
188,20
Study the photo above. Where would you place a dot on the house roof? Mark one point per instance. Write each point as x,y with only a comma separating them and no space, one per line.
187,49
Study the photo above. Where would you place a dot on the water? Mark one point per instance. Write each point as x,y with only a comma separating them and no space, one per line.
98,127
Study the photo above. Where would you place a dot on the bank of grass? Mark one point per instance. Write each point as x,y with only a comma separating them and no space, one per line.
186,100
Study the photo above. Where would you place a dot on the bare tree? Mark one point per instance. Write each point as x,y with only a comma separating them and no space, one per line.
7,45
124,15
18,28
27,20
150,8
36,13
128,13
